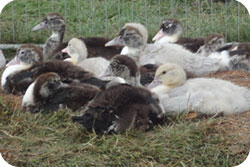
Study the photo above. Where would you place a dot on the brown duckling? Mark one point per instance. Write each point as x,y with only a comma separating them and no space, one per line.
48,93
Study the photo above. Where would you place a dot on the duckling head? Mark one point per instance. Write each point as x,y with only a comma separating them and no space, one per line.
215,41
27,54
52,21
124,67
170,75
132,35
77,50
169,28
46,85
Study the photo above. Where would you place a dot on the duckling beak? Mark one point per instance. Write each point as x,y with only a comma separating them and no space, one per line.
13,62
40,26
159,35
154,83
63,85
65,50
114,42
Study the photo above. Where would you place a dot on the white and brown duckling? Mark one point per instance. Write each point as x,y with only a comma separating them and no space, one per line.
203,95
56,24
2,59
147,73
235,54
134,37
212,43
124,67
13,80
48,93
78,53
121,107
171,32
54,45
17,78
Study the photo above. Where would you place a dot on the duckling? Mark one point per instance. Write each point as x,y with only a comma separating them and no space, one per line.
147,73
171,32
134,37
236,55
52,48
13,80
124,67
212,43
56,23
203,95
2,59
48,93
68,73
17,78
78,56
121,107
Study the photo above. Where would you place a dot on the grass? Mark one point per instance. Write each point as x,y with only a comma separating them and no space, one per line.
53,140
88,18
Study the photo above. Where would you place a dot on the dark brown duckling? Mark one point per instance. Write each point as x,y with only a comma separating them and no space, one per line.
48,93
171,31
52,48
121,107
147,73
15,82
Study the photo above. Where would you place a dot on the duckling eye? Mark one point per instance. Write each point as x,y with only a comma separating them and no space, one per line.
22,52
114,64
164,72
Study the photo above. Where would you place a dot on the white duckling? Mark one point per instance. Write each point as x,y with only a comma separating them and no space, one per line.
202,95
78,56
134,37
2,59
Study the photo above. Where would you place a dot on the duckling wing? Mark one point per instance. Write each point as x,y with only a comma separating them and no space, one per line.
148,55
19,82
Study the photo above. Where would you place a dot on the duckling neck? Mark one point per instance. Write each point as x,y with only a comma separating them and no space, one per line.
168,39
134,80
57,36
72,60
161,89
133,53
